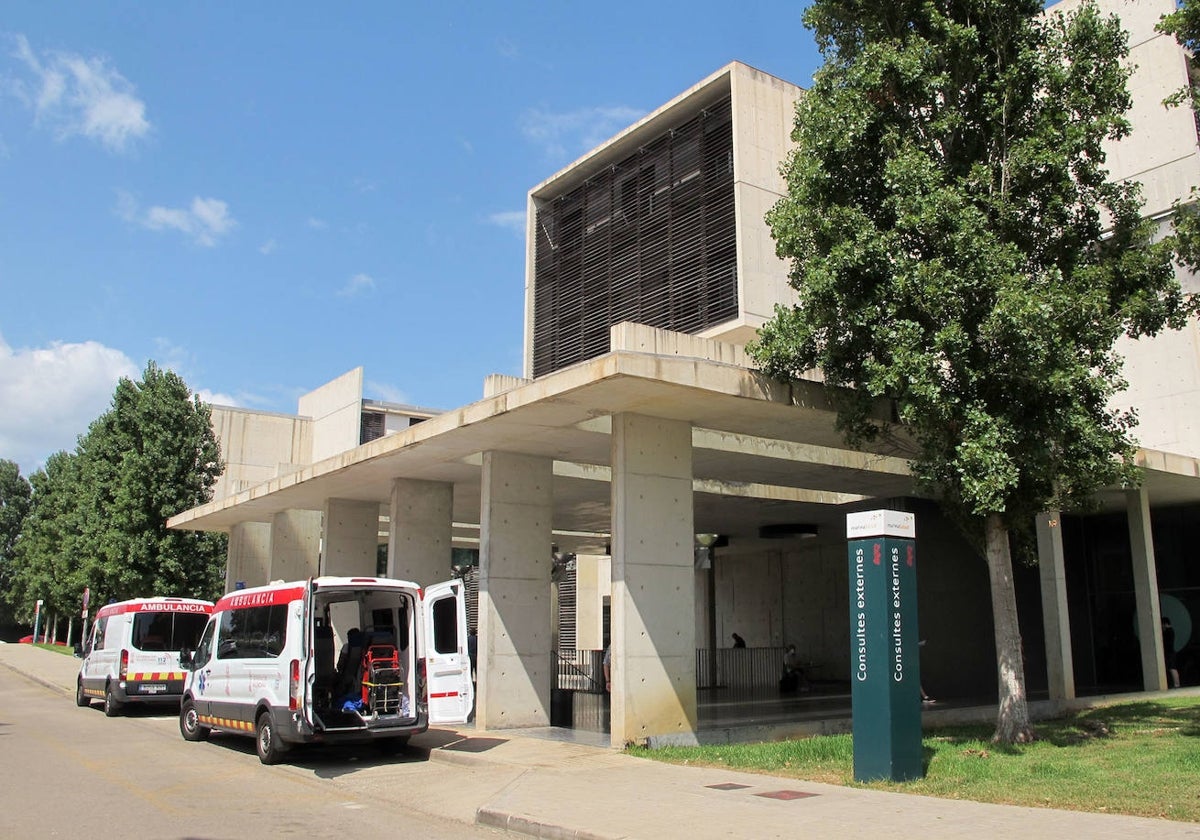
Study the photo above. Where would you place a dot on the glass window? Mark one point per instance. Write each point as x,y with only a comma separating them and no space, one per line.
445,625
253,633
167,631
204,646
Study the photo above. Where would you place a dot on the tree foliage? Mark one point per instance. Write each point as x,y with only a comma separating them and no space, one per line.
957,248
15,494
98,517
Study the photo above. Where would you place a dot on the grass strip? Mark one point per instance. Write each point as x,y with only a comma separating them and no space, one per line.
1140,758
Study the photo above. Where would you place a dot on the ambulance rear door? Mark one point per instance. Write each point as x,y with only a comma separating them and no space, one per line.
447,665
308,647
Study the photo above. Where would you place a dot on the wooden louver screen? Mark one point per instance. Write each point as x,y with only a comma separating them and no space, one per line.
649,240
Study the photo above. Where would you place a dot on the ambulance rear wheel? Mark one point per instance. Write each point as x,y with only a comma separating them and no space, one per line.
81,699
189,723
266,740
112,706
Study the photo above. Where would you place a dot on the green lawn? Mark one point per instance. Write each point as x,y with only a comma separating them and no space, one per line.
63,649
1140,758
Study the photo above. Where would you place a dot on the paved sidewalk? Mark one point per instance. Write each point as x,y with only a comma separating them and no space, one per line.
552,789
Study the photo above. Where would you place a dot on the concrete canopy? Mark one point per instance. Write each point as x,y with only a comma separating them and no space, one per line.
765,453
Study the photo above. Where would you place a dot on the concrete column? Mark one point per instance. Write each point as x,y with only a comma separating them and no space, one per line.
295,544
351,538
1060,667
653,599
514,668
419,537
248,556
1145,590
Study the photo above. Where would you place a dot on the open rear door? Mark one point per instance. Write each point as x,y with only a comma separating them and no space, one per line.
447,665
308,678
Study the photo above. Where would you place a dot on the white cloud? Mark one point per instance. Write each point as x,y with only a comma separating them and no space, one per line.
387,393
73,95
512,220
204,221
575,132
216,398
49,396
268,247
356,285
317,224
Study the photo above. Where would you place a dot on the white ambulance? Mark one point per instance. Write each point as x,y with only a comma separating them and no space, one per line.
132,653
268,664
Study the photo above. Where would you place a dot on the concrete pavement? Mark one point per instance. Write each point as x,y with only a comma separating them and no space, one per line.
554,789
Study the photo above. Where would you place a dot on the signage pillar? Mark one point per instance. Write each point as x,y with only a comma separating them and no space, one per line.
885,671
37,618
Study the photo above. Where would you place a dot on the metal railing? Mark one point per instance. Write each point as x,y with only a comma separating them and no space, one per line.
579,698
739,668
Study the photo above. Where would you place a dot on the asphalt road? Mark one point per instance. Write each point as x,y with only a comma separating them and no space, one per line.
68,771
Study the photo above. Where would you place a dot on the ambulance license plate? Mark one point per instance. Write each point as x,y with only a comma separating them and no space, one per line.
152,688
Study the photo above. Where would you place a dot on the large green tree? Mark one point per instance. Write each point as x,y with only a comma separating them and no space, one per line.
15,493
152,455
98,515
957,248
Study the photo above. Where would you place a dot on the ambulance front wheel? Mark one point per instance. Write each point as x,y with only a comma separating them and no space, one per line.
81,699
112,706
189,723
266,740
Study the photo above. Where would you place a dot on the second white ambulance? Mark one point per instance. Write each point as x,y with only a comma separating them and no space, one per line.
268,665
132,653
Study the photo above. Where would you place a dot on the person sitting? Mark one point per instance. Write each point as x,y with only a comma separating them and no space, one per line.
793,672
738,641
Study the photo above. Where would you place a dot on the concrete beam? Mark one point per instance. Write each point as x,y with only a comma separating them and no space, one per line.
1060,668
514,668
653,589
248,556
420,531
295,544
1145,590
351,538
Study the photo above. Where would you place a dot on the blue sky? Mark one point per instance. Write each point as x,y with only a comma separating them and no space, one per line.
262,196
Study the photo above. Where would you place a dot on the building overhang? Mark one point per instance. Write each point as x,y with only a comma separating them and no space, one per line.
765,453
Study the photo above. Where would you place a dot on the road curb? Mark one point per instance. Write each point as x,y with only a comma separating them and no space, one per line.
518,824
66,692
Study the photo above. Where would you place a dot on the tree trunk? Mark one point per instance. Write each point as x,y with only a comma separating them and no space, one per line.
1012,719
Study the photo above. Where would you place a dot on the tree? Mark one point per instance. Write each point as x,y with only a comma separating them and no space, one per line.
152,455
957,249
98,515
15,493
